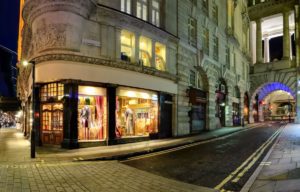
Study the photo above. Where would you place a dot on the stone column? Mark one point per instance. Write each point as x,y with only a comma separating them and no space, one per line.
297,34
70,113
111,93
266,50
118,43
286,35
137,48
258,42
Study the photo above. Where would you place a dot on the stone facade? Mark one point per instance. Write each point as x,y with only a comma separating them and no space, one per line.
233,69
77,40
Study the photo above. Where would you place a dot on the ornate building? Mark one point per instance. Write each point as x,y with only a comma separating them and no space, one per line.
120,71
275,57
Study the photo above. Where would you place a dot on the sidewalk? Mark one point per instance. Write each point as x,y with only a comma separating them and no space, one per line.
130,149
281,167
13,146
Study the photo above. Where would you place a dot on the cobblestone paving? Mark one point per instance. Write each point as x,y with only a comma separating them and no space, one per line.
106,176
20,173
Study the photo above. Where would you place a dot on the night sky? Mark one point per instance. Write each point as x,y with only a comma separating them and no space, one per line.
9,17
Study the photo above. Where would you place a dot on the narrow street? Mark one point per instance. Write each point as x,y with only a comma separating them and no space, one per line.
225,163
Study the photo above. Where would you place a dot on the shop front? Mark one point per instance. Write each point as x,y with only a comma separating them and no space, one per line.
197,113
246,109
79,115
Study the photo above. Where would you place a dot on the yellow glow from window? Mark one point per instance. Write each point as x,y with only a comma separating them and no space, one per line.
88,90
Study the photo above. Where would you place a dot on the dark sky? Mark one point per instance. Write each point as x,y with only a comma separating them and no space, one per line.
9,16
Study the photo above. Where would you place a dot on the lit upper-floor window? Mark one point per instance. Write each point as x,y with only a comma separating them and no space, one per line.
142,9
52,91
126,6
155,12
192,31
127,45
145,51
160,56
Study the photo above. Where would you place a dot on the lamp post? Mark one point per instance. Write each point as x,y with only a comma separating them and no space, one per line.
33,131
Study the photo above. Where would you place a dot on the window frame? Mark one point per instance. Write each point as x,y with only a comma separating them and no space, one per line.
143,12
125,6
192,31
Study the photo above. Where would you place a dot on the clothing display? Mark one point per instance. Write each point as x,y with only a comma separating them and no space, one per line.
91,117
135,117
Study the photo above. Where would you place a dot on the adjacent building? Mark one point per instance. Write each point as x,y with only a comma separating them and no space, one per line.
110,72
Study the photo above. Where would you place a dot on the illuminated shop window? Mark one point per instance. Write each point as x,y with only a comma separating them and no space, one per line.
160,56
126,6
142,9
136,112
53,91
155,12
145,51
127,45
92,113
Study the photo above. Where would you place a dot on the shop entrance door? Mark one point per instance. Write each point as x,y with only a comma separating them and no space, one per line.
198,118
52,124
222,115
166,105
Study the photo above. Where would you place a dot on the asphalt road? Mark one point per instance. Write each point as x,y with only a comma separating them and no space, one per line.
226,163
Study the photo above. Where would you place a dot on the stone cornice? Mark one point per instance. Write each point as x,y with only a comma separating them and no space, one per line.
106,62
271,7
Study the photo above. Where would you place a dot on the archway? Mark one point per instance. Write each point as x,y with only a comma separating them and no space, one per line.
273,101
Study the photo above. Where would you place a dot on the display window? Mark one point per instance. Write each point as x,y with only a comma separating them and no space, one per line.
160,56
127,45
136,112
92,113
145,51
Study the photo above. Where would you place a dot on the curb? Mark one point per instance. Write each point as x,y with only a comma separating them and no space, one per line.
121,157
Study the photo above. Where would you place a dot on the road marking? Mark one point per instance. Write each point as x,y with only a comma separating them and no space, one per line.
185,146
265,163
254,157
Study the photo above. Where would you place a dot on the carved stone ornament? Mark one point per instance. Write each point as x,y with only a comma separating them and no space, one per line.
48,36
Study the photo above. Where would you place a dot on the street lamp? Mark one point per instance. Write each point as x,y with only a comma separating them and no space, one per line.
33,131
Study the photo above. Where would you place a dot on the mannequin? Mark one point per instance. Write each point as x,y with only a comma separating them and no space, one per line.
129,120
84,116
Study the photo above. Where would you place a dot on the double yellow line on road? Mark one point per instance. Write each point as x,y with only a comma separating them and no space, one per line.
186,145
237,174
